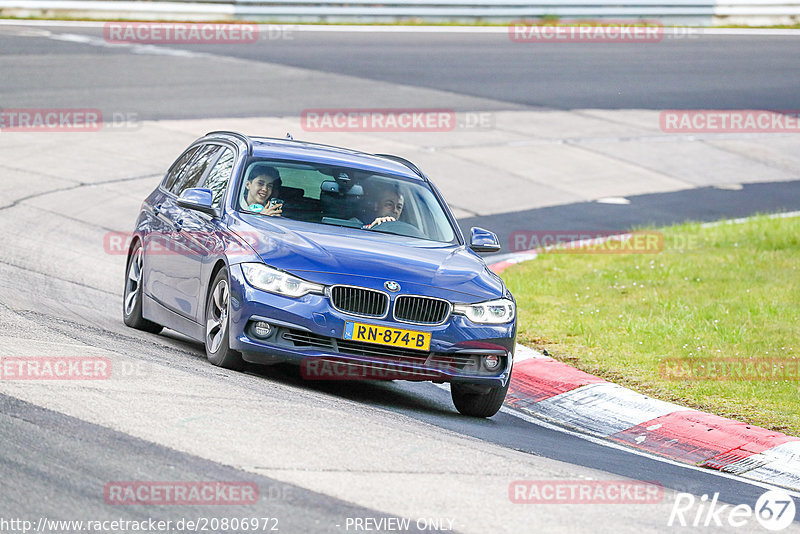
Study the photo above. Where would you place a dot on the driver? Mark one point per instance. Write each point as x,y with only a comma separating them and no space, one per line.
385,204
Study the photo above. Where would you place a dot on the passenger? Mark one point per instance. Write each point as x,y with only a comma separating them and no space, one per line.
384,204
261,191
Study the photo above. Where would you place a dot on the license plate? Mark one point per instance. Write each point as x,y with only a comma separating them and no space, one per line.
393,337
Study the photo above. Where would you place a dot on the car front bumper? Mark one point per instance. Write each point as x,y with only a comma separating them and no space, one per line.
308,331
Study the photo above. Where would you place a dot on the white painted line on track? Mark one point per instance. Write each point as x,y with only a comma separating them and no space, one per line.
135,48
728,187
613,200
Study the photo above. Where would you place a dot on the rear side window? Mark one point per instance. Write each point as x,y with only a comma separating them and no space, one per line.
220,174
178,168
196,168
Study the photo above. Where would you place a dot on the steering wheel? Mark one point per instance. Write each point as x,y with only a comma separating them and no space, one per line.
399,228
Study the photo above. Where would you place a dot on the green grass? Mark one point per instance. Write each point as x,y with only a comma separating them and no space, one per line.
731,291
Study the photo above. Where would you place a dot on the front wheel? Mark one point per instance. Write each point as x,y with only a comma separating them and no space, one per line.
471,401
218,350
132,296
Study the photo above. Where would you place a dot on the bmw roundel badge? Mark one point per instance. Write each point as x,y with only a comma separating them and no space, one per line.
392,286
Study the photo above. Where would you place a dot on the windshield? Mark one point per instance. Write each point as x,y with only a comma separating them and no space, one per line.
344,197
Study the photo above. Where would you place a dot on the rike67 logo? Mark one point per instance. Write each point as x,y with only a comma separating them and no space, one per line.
774,510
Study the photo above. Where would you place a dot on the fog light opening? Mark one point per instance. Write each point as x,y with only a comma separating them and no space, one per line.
491,362
261,329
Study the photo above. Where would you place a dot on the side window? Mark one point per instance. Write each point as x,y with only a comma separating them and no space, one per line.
218,178
197,167
178,167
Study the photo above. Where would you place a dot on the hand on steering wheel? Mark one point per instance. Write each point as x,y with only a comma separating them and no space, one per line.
380,220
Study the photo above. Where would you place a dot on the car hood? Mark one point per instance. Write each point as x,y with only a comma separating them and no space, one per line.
338,255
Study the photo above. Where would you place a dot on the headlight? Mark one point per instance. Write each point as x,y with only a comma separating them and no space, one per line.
489,312
275,281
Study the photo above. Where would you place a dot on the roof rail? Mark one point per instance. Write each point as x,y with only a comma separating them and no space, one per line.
237,135
405,162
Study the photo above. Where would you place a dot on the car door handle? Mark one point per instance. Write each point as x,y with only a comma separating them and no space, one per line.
156,210
179,226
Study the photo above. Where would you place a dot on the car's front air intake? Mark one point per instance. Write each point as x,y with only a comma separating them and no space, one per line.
359,301
420,310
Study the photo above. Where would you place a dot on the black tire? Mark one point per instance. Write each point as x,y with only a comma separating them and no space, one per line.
468,402
218,306
132,296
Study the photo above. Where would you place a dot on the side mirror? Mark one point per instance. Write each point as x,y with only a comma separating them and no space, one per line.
199,199
481,240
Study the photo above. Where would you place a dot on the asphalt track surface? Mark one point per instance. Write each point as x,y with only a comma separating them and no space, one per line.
319,452
689,72
705,204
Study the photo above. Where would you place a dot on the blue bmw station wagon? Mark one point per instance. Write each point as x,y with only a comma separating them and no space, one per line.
348,264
